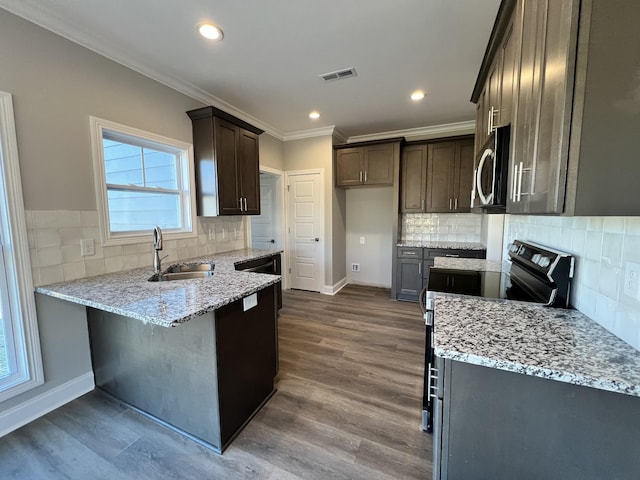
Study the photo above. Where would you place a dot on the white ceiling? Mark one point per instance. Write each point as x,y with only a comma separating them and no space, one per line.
266,68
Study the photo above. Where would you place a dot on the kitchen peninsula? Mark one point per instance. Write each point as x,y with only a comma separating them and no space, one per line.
206,377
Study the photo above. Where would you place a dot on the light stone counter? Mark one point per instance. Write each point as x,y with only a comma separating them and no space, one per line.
552,343
475,264
443,244
167,304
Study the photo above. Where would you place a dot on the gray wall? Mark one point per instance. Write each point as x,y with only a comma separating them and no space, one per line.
56,85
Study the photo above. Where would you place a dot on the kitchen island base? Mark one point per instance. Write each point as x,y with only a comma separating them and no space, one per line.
205,378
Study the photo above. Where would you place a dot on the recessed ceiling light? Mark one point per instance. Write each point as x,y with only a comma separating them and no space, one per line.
417,95
314,115
210,31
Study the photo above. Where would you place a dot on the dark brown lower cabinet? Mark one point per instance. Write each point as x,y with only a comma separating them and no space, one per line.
204,378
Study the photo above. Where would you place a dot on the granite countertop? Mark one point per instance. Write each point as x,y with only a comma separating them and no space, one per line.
167,304
474,264
552,343
442,244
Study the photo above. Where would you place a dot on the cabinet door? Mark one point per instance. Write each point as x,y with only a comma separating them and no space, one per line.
508,75
409,279
249,172
378,165
440,192
349,163
226,140
463,177
493,96
548,177
414,178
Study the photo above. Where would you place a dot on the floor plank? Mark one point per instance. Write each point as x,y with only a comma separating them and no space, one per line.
347,407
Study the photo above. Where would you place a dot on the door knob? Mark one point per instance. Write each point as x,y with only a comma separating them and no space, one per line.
317,239
272,241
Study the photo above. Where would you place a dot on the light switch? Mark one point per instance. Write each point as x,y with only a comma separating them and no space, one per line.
361,240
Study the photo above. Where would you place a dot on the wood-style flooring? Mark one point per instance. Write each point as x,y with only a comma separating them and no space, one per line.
347,407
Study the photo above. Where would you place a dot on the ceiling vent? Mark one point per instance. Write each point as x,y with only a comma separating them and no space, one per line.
339,74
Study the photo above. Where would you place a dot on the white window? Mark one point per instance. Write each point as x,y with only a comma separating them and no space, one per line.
142,180
20,360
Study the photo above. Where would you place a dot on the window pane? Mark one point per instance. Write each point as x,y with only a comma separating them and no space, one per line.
122,163
134,211
160,169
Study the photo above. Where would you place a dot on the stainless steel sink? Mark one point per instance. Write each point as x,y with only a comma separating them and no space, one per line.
184,272
191,267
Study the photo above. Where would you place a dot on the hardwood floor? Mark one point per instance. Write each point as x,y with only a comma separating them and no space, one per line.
347,407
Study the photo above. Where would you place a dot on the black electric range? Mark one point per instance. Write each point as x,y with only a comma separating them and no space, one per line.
535,274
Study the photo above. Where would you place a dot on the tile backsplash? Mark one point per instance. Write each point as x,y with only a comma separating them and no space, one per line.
605,249
454,227
54,245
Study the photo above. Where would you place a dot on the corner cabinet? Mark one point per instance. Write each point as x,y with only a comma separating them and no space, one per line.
227,164
437,177
366,164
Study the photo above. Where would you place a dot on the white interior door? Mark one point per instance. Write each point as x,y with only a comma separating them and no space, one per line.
264,227
305,230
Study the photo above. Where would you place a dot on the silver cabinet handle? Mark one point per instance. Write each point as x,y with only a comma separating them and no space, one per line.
520,183
365,176
451,255
450,203
240,200
419,268
422,204
514,189
245,204
455,204
360,176
489,127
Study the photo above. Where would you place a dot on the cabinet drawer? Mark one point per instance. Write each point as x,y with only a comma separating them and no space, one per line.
454,253
409,252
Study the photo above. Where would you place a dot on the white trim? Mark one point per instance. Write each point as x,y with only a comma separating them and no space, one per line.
36,407
97,127
24,300
311,133
420,133
287,175
332,290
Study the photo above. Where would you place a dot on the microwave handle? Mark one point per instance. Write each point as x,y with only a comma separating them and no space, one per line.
484,200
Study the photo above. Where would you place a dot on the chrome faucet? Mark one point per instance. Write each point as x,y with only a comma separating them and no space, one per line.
157,246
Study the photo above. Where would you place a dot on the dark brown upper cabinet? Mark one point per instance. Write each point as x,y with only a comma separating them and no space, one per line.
227,169
366,164
573,122
437,176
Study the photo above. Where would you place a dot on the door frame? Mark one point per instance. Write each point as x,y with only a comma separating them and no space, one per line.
288,222
280,185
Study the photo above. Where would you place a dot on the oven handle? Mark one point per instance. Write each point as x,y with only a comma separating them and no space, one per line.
422,300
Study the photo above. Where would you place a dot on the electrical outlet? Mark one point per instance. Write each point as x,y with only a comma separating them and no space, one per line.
361,240
86,247
355,267
632,280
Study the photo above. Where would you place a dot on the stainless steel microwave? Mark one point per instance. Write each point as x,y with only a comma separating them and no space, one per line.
491,175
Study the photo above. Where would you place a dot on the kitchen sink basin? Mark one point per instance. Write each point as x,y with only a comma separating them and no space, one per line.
192,267
184,271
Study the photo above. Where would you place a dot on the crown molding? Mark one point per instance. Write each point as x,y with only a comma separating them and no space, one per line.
420,133
313,132
47,18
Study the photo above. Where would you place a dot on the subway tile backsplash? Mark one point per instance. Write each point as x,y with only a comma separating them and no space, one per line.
54,243
454,227
605,248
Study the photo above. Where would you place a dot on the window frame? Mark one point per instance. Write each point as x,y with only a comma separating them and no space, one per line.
186,181
24,323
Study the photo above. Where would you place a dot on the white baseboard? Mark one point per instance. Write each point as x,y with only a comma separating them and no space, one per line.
26,412
332,290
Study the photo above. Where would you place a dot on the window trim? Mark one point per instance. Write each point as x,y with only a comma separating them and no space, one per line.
21,297
147,139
